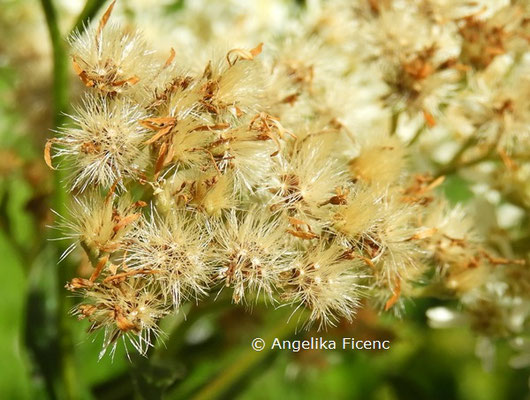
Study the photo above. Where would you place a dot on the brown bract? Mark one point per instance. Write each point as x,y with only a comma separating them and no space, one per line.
241,54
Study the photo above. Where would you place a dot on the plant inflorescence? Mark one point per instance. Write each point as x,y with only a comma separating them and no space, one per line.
246,174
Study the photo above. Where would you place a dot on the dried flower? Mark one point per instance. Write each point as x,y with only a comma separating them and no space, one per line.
106,145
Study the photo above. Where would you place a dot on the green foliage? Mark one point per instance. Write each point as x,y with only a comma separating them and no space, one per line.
456,189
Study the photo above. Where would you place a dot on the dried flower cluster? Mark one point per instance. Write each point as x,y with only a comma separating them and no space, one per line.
275,174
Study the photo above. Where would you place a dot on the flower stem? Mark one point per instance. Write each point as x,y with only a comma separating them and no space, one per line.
67,377
90,9
60,70
248,358
456,162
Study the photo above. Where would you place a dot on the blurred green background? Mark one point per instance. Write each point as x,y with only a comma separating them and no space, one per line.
45,353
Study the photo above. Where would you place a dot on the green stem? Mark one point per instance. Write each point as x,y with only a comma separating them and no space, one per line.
460,153
66,377
89,11
394,119
417,135
248,359
456,162
452,168
60,70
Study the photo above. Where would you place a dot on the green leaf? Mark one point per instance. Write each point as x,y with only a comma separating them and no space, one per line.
456,189
14,369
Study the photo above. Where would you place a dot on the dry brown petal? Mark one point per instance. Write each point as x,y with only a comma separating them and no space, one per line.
425,233
214,127
97,271
170,58
123,275
82,74
129,219
160,161
302,235
157,123
47,152
103,21
122,322
131,81
162,132
85,310
429,119
242,54
79,283
395,295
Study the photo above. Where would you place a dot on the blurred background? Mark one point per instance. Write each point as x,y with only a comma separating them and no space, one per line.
46,353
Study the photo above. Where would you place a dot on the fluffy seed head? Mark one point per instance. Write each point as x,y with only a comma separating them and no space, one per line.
100,224
251,254
110,59
326,283
176,250
105,146
306,179
380,162
125,309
